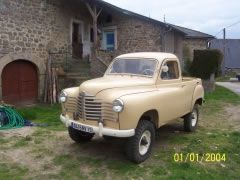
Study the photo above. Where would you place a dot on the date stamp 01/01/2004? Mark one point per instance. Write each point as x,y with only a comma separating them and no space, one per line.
197,157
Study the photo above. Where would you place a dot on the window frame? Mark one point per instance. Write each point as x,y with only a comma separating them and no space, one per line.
109,47
107,72
161,70
106,30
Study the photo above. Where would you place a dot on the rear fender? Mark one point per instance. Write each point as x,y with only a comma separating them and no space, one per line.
198,94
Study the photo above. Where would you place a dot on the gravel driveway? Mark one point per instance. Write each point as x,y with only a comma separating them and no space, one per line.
233,86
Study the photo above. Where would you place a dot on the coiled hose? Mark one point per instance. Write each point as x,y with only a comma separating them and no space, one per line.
12,120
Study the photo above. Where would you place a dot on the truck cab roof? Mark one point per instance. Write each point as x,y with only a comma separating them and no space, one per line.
160,56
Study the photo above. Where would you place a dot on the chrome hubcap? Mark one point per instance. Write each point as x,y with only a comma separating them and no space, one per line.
145,142
194,118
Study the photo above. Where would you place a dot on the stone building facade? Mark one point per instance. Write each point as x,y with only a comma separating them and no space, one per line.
134,33
38,30
191,44
33,29
193,40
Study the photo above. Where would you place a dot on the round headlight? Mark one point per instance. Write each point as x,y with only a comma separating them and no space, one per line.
118,105
63,97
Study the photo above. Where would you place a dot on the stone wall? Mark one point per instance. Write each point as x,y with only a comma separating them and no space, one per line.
33,58
136,35
35,27
190,45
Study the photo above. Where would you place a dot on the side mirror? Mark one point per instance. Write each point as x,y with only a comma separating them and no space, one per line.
165,68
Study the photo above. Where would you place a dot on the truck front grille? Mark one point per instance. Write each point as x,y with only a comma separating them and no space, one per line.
88,107
71,105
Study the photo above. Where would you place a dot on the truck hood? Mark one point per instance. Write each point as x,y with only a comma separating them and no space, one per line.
117,83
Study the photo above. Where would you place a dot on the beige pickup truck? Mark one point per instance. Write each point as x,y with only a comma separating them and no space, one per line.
139,93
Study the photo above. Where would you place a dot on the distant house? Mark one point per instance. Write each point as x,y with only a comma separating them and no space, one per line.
33,31
231,51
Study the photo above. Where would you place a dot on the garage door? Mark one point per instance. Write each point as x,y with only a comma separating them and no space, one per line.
20,82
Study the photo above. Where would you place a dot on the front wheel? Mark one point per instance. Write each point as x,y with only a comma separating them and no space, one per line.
79,136
138,148
191,119
109,138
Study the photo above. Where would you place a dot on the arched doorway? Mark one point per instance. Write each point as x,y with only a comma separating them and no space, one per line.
20,82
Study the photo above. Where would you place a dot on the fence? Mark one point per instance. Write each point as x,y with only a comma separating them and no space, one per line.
231,50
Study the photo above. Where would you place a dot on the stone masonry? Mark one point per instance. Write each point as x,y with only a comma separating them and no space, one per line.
30,29
193,44
36,30
135,35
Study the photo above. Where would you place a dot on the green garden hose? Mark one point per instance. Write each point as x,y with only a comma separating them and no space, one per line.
14,119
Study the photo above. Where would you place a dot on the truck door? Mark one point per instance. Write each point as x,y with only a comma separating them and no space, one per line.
171,92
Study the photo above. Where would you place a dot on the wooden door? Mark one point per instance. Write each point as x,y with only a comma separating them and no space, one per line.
20,82
77,41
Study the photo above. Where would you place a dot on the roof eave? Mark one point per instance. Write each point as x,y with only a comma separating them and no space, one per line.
199,37
139,16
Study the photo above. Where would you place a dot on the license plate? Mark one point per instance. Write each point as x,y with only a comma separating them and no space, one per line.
82,128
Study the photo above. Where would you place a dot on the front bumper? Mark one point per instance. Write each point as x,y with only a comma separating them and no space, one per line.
100,130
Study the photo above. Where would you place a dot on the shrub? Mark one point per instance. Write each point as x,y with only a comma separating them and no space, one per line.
205,63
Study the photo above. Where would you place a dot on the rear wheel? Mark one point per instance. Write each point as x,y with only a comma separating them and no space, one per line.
79,136
191,120
138,148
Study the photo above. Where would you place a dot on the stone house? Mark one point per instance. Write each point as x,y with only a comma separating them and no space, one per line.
133,33
193,40
34,31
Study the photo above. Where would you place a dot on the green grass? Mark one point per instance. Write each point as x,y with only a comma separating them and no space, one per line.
105,160
226,77
161,164
12,171
3,141
21,143
44,115
223,78
217,100
222,95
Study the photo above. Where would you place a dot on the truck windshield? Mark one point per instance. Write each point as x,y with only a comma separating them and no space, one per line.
142,67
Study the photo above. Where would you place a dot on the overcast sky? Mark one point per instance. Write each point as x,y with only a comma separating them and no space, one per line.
209,16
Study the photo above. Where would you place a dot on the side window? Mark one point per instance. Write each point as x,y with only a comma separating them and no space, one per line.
171,72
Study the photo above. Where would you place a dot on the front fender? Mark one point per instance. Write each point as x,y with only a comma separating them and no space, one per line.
72,92
134,107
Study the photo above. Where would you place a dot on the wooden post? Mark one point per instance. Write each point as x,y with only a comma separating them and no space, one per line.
224,33
95,14
224,51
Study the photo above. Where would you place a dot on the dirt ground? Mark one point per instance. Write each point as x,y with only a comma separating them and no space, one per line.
234,116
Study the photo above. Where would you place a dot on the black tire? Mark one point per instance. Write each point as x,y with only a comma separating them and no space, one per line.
191,120
132,146
79,136
108,138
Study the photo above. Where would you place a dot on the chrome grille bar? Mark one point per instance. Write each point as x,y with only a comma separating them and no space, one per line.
90,108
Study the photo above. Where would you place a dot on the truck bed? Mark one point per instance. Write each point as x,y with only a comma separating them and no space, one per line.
185,79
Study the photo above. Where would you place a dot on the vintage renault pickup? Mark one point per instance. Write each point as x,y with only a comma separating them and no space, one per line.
138,93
